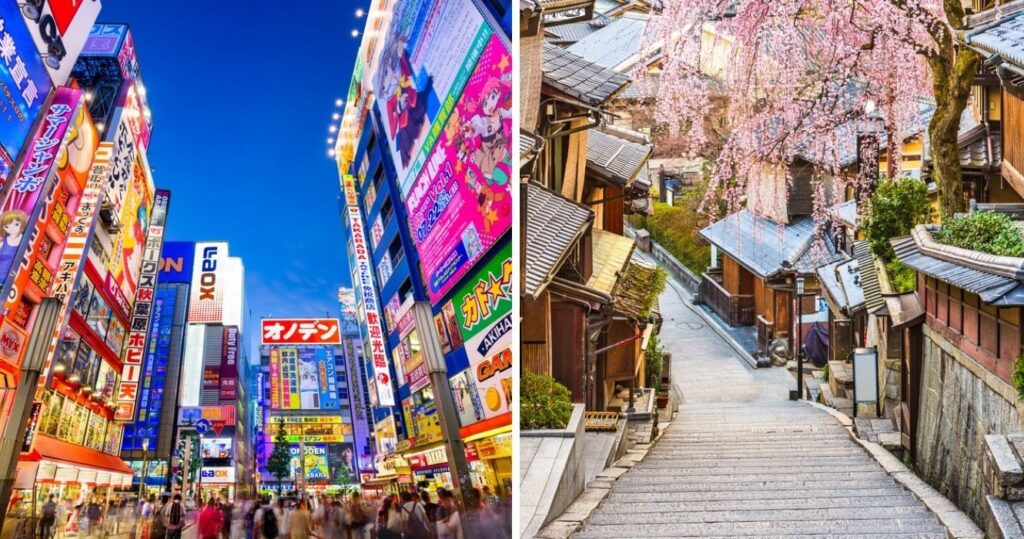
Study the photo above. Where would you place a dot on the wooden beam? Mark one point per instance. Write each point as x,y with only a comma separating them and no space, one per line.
1013,177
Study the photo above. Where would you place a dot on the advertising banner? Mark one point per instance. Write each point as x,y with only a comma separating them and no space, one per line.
377,349
347,298
386,435
104,39
328,378
59,29
157,351
342,464
176,262
206,302
309,379
275,379
316,463
300,331
413,365
135,347
229,364
216,448
217,474
188,415
461,203
467,398
211,378
24,86
483,311
428,53
290,388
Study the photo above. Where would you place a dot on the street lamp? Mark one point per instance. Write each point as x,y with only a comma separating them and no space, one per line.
145,466
799,284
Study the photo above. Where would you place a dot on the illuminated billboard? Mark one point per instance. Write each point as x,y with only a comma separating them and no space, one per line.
428,53
142,310
25,85
59,29
206,304
303,378
483,311
229,364
176,262
216,448
461,204
300,331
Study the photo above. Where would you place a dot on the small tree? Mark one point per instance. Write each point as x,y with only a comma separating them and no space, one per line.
543,402
655,362
280,460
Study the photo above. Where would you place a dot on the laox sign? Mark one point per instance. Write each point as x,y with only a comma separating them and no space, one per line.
208,279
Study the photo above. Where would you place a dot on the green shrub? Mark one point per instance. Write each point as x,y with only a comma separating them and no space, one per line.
654,361
894,209
676,228
987,232
1018,377
903,278
543,403
824,373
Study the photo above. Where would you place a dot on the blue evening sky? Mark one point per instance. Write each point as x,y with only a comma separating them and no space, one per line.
242,95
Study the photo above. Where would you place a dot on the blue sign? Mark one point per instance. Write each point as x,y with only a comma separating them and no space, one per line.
154,373
24,84
176,262
203,426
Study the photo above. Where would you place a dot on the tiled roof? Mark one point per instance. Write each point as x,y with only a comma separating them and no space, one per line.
762,245
993,289
904,309
566,34
833,290
848,212
868,276
527,143
554,5
631,295
843,282
554,224
1004,38
612,45
586,81
615,157
611,253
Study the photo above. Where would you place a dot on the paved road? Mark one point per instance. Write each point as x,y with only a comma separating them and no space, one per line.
742,460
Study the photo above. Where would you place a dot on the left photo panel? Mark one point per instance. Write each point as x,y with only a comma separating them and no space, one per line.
310,337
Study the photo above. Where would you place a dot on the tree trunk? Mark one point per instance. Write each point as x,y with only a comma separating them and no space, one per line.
953,69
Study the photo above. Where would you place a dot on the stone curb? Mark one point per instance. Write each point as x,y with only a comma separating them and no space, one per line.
958,525
744,354
571,521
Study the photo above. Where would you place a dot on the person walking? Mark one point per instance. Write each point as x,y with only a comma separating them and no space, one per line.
94,516
157,530
358,517
449,525
389,519
300,523
211,520
414,518
174,518
48,518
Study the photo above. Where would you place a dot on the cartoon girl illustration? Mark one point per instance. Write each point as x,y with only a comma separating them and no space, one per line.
488,201
487,116
405,103
12,228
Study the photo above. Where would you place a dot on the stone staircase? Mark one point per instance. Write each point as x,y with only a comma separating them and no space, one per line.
761,469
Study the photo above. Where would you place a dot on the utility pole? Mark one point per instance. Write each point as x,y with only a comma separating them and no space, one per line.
15,430
454,445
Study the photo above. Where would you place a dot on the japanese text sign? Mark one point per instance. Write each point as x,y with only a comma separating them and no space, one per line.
300,331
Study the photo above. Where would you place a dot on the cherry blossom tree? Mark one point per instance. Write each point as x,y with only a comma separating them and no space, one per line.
801,78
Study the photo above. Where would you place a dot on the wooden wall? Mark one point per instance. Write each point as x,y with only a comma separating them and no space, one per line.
568,350
1013,130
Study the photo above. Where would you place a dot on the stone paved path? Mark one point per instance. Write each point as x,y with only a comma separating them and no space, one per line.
741,460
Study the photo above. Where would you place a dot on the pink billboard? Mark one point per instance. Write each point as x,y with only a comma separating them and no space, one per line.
461,202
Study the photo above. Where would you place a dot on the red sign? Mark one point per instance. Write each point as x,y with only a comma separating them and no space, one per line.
12,343
217,426
300,331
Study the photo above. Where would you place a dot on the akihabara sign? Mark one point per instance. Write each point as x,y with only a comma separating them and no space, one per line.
69,269
59,29
377,351
135,346
300,331
206,304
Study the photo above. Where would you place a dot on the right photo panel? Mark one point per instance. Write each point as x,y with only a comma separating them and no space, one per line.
771,268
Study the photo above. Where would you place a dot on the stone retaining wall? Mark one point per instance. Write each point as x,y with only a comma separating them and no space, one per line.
961,403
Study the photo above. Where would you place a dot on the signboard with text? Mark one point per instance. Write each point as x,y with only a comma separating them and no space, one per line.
300,331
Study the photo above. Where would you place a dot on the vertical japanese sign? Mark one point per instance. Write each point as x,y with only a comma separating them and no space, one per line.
69,269
229,364
461,203
289,379
24,85
135,348
377,350
309,379
328,378
275,379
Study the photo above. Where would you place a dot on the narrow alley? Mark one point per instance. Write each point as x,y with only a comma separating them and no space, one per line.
741,460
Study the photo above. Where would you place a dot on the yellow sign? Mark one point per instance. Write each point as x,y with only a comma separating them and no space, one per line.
312,439
312,419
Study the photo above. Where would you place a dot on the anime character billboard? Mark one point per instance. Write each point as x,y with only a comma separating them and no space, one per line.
461,203
428,54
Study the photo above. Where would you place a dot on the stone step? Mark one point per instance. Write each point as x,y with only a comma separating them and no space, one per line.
643,503
755,452
853,487
665,479
646,469
630,514
778,494
760,462
841,528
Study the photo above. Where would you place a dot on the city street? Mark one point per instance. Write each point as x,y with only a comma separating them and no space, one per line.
739,459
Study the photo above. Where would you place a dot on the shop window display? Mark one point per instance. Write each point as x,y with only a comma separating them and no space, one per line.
99,315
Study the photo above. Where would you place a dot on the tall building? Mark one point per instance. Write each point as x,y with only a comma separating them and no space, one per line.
427,210
359,396
307,394
215,406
